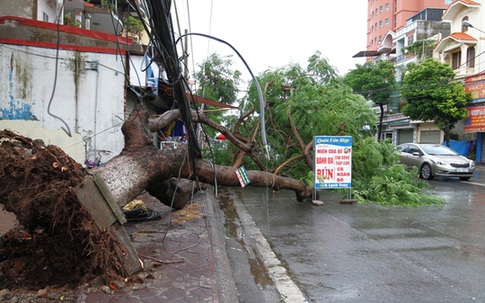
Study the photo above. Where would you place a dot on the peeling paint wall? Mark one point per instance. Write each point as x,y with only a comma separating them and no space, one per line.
83,97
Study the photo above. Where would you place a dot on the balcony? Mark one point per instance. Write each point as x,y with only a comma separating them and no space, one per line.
101,17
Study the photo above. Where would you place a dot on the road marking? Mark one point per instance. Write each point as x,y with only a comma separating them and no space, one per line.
285,285
473,183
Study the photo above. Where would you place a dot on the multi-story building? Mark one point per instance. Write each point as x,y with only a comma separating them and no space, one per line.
425,29
457,32
464,51
387,16
393,26
66,70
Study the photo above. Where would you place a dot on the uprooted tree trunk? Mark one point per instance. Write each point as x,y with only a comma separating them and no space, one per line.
135,168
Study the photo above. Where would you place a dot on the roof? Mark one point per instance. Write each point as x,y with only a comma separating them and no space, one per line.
457,6
387,43
455,37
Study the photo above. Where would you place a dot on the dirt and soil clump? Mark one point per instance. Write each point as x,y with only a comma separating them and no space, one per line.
55,242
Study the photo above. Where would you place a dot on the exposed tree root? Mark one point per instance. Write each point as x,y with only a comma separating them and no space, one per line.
57,242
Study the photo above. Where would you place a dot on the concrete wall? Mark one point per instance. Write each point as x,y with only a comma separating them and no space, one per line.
80,108
50,8
31,9
19,8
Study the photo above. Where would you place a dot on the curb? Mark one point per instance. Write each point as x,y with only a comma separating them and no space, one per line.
223,271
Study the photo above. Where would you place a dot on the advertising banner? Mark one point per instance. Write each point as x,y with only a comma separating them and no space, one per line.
333,162
475,122
476,86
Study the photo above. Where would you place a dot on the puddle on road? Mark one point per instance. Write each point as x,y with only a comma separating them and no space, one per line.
234,230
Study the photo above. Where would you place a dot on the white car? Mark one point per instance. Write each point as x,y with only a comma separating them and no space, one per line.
435,160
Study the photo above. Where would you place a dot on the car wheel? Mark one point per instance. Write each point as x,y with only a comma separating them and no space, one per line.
426,172
465,178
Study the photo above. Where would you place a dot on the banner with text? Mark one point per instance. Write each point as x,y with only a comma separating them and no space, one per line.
333,161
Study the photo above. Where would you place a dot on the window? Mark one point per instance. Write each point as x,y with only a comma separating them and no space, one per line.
45,17
387,22
448,1
380,24
413,149
470,57
387,7
410,40
380,9
455,60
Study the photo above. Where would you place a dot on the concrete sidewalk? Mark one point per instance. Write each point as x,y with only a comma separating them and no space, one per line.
184,261
198,254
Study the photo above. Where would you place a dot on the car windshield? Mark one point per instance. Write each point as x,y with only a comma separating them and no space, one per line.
438,150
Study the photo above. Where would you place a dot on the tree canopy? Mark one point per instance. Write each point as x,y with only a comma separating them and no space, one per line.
432,93
375,81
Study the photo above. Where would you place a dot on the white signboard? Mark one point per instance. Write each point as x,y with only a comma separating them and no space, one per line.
333,162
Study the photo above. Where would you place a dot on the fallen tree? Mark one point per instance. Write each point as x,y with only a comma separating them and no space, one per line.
38,182
129,173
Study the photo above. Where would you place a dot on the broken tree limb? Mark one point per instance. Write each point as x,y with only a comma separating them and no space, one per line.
167,117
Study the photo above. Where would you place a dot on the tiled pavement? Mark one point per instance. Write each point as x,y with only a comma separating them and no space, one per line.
184,261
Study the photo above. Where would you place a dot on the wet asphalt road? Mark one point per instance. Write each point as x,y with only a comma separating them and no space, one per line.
368,253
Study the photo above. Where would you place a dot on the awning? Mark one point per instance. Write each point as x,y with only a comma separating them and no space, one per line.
366,53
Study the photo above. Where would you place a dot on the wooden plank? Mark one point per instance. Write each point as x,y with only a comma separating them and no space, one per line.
108,215
131,262
94,201
109,199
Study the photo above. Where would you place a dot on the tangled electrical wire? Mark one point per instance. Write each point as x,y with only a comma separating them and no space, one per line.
158,24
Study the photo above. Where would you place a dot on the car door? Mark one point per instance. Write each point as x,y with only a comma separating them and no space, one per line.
404,155
414,156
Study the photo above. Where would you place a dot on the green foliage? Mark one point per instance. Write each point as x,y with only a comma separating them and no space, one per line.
68,20
108,4
303,103
134,25
379,178
395,186
375,81
431,94
220,152
422,49
219,82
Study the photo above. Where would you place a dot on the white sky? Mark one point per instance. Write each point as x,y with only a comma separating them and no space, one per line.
274,33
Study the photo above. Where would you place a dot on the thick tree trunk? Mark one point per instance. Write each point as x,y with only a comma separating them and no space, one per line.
132,171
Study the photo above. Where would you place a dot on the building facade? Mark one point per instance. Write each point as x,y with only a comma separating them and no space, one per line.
455,29
464,51
67,84
385,16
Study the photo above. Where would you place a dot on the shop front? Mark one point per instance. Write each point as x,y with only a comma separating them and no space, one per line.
475,122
